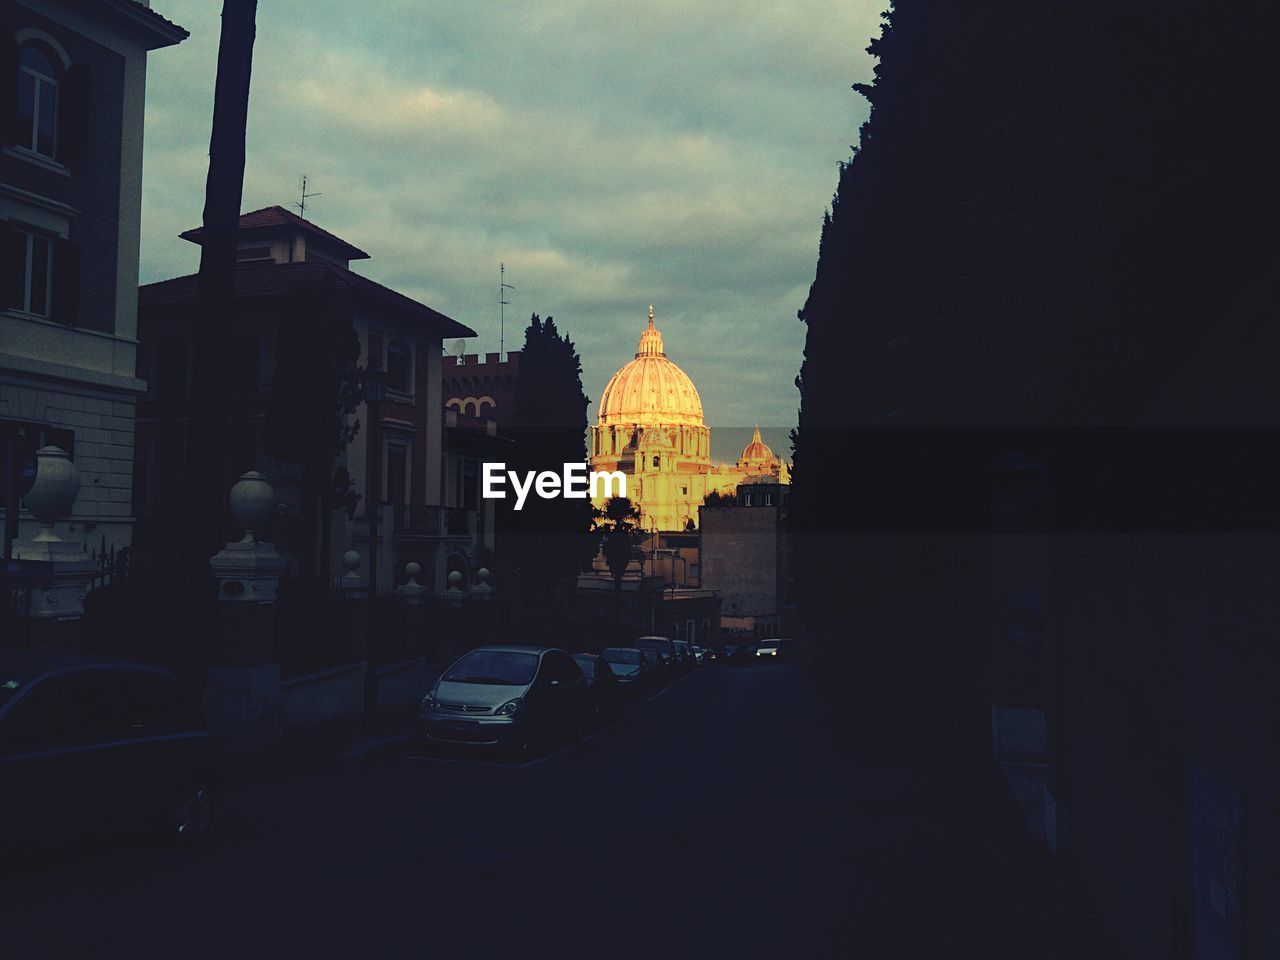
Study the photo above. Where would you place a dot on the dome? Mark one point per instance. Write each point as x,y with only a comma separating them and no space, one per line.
757,450
650,389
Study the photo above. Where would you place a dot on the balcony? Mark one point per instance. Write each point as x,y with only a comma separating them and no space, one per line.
431,520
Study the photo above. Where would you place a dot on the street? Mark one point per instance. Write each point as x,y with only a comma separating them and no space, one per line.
738,812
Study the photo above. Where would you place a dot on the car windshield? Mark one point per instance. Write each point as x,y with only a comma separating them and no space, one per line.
662,645
618,655
494,666
587,665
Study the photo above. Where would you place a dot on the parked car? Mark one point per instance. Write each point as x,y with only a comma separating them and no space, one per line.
699,656
666,647
507,696
655,664
634,671
684,655
602,688
89,744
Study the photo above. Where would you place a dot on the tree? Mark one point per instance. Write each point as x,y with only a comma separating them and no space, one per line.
548,540
618,525
206,485
315,390
717,499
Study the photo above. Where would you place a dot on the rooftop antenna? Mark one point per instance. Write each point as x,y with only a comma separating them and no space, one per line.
456,350
304,195
503,287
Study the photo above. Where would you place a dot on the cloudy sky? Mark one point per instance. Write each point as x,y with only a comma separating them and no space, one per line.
678,153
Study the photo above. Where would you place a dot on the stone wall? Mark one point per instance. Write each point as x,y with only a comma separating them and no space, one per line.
1168,770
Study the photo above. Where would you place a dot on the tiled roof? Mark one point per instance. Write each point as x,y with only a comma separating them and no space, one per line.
140,20
278,279
146,11
277,216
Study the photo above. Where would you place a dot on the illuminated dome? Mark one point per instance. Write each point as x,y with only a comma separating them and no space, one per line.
757,451
650,389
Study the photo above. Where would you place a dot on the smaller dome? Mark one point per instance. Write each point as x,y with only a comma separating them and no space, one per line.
757,450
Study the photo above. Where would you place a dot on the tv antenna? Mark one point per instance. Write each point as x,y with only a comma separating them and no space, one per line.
503,287
456,350
304,196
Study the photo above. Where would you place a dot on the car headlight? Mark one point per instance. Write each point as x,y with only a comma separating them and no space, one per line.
428,702
510,707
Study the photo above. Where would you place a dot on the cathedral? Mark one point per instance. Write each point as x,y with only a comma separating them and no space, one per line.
649,426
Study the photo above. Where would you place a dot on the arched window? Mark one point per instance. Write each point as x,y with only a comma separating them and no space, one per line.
39,78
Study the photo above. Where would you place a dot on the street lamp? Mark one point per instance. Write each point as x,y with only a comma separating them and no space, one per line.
375,391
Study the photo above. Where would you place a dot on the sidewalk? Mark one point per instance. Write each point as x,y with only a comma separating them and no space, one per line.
324,746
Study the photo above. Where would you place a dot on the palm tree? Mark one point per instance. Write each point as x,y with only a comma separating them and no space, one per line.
618,524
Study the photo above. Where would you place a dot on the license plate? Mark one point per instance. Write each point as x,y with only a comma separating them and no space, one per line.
470,726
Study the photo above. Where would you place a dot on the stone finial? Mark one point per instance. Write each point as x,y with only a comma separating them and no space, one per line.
413,591
351,561
253,504
54,491
455,590
482,588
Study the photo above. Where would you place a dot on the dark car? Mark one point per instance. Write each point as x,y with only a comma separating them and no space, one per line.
507,696
665,647
602,688
774,648
634,671
684,655
89,744
655,665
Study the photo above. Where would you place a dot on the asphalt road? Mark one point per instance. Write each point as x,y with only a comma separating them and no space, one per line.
739,813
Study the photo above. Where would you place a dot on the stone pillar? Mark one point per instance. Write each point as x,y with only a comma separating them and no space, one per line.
54,612
415,612
355,594
455,618
242,692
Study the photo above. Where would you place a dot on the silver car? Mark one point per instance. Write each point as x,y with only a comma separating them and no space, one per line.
506,696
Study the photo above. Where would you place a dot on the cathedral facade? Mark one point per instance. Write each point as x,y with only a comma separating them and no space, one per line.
650,427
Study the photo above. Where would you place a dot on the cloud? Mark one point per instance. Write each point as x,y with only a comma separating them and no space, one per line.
611,156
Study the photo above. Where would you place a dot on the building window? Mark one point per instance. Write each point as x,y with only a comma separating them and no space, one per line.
30,286
656,462
38,81
768,499
398,367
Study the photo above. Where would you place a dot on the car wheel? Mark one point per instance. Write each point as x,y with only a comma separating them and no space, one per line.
191,813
